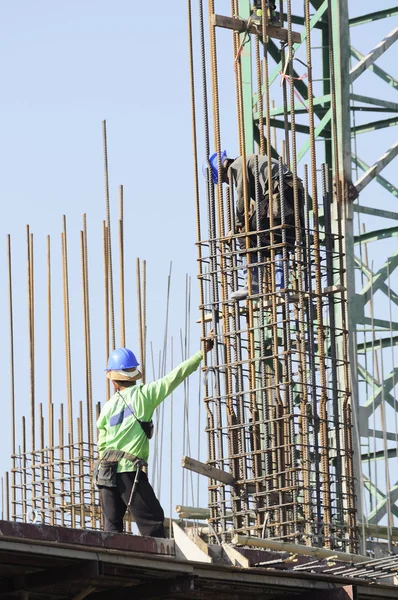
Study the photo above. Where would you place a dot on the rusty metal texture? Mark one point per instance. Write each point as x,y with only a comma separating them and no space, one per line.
279,413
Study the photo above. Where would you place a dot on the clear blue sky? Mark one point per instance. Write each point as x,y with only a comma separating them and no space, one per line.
65,68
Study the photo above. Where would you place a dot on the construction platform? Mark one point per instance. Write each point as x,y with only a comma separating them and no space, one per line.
58,563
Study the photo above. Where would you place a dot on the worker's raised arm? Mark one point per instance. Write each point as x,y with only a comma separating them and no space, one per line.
155,392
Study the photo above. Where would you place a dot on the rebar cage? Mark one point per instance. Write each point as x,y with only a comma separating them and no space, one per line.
277,388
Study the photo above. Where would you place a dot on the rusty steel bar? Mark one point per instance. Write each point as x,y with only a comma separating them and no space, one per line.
7,495
87,336
81,469
12,373
68,362
108,226
50,405
269,417
139,309
144,326
43,478
121,269
61,430
106,303
24,465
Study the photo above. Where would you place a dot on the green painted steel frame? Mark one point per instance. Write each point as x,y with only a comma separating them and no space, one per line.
348,104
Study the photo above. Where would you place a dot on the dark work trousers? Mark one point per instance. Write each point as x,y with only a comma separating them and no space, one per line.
145,507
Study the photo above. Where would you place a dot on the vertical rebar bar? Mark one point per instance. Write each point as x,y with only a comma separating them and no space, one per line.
108,226
106,304
68,362
12,374
86,295
50,406
121,269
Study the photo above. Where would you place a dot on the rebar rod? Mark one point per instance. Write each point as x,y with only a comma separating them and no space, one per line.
7,494
12,371
68,359
332,341
108,226
24,464
50,406
86,308
121,269
209,414
61,441
139,309
144,325
106,303
87,354
43,494
81,469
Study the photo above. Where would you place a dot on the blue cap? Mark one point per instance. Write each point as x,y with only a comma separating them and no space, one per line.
214,165
121,359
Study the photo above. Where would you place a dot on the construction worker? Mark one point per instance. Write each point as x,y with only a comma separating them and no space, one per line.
125,427
232,171
271,8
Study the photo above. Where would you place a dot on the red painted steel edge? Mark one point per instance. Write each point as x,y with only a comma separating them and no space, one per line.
85,537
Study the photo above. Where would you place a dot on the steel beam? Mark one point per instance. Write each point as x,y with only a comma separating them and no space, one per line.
376,69
318,131
392,106
381,509
378,343
374,401
375,236
375,212
375,125
373,55
383,182
382,274
378,166
374,16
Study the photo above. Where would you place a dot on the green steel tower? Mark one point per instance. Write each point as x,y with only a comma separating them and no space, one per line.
311,367
369,219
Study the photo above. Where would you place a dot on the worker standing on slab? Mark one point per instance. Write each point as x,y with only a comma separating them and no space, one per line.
232,172
125,428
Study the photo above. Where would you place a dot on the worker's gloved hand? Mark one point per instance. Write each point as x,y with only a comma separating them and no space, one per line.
228,238
209,341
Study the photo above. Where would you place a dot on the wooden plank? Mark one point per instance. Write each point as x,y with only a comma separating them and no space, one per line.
187,547
240,25
207,470
236,558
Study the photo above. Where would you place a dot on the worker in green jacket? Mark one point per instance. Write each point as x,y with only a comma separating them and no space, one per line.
125,427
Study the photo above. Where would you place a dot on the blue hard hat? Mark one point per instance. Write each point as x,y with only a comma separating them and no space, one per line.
214,165
121,359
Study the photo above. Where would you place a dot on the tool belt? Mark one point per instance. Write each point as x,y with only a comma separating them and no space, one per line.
106,468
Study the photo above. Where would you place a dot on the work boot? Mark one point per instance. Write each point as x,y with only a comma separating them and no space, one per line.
243,293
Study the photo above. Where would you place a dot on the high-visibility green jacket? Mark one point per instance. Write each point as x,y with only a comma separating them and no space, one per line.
117,424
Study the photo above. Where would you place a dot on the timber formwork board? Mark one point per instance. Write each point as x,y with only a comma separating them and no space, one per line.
53,563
